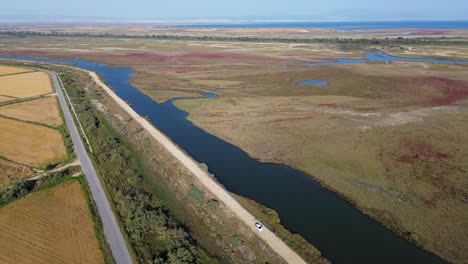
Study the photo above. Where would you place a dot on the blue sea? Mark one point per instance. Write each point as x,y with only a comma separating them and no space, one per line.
348,25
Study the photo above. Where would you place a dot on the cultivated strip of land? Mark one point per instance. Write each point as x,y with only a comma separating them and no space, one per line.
111,228
268,236
52,225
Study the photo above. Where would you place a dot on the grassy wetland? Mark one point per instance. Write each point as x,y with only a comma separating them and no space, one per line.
387,137
395,152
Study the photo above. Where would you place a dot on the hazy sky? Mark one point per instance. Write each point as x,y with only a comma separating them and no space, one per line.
241,9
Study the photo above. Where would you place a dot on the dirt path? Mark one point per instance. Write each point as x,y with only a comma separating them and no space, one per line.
74,163
266,235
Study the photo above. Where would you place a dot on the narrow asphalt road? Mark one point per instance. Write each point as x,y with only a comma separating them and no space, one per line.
270,238
111,229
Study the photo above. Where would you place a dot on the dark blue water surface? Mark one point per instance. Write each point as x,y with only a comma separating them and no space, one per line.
382,57
314,83
338,229
340,25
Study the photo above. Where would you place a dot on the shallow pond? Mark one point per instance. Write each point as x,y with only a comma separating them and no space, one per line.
313,83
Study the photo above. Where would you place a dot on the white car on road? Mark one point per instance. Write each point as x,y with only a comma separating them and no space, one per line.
259,226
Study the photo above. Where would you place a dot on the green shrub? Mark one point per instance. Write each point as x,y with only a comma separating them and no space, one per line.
11,193
196,196
236,241
212,205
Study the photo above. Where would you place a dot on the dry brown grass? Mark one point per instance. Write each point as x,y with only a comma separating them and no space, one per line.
25,85
11,172
4,70
43,110
30,144
51,226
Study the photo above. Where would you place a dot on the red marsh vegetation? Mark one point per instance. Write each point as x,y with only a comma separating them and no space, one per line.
331,105
429,91
161,58
420,151
451,90
430,32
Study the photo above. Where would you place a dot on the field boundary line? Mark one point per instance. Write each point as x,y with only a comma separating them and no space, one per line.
20,100
29,122
17,73
18,163
76,116
9,96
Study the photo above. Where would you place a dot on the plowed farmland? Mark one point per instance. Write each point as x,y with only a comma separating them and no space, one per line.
11,172
25,85
5,70
29,144
50,226
44,110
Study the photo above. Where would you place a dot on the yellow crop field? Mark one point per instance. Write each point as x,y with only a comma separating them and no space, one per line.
25,85
43,110
11,172
50,226
29,144
4,70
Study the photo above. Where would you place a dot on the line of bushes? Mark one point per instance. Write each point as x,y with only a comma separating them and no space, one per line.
20,189
357,41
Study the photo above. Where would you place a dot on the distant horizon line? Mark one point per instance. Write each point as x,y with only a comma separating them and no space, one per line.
79,19
288,20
